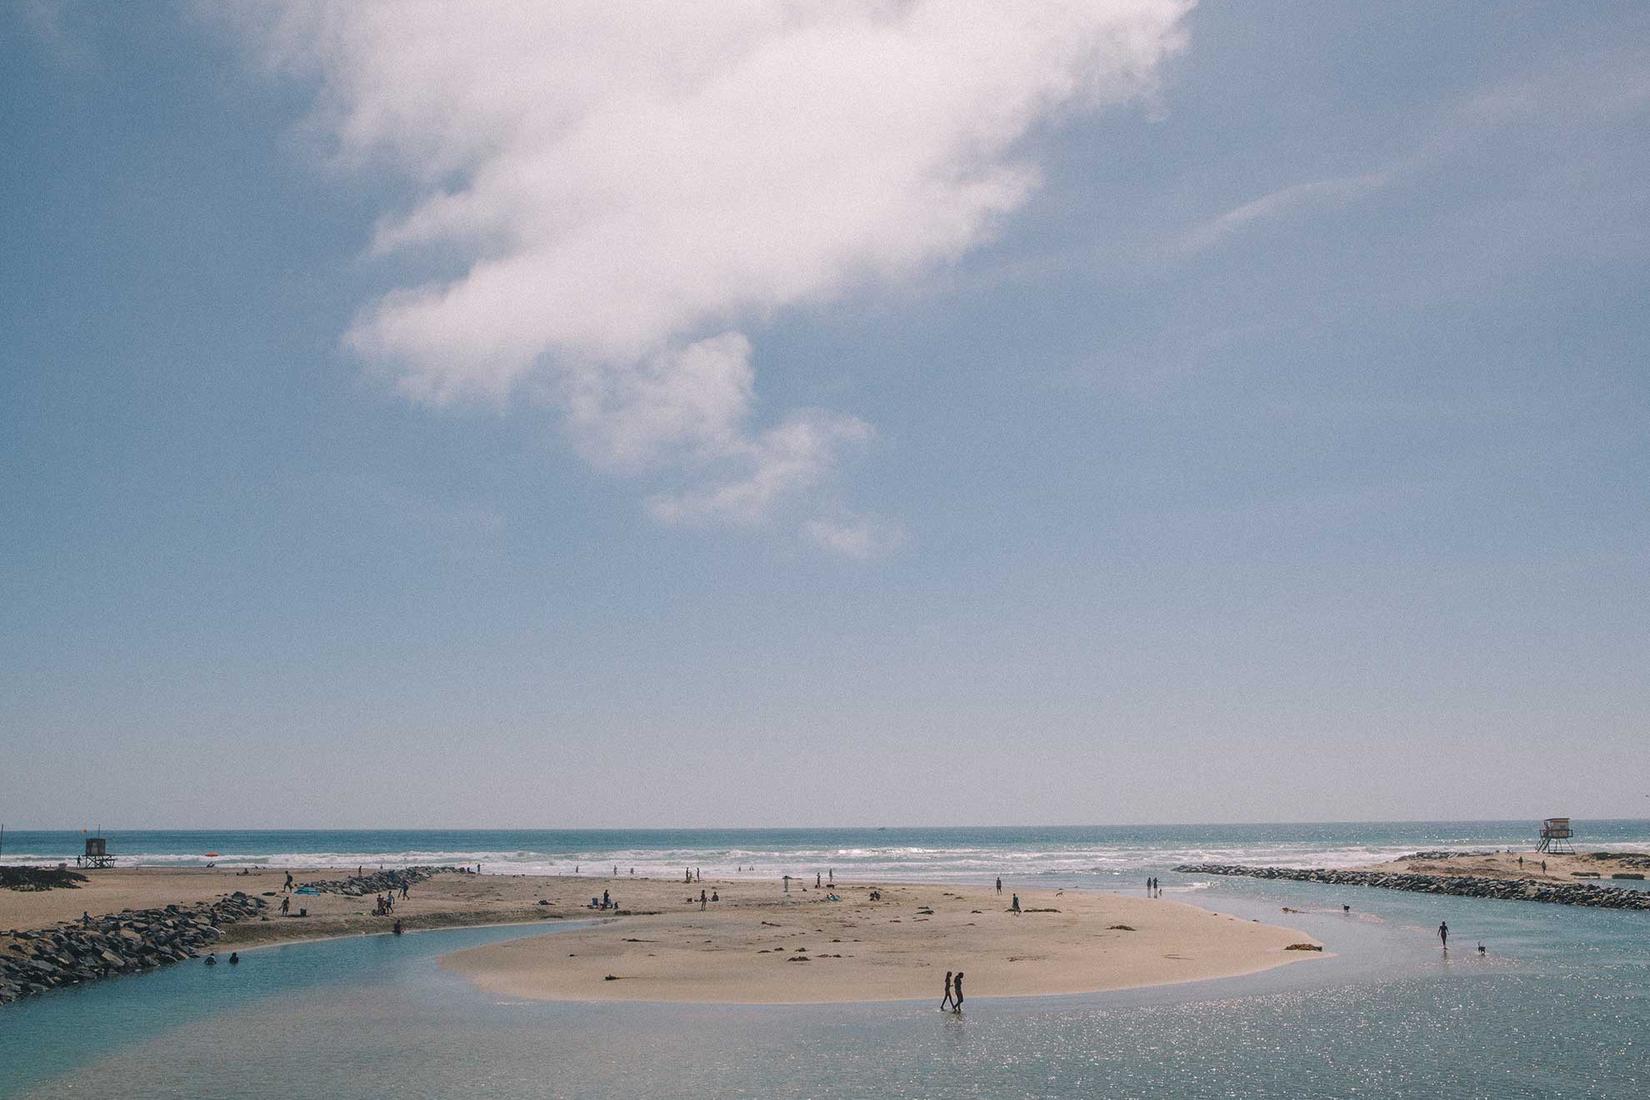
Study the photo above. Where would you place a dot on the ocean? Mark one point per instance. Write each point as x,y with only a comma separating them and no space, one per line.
1558,1006
1066,854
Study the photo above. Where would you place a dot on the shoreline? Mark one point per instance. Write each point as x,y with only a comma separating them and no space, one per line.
758,943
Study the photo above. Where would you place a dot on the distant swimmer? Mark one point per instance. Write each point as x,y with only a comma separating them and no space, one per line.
234,958
1443,934
1480,950
1346,908
211,959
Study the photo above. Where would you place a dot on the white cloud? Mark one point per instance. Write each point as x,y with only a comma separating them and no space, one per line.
623,181
856,536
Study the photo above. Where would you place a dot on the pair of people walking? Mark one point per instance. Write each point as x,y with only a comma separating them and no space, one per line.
953,993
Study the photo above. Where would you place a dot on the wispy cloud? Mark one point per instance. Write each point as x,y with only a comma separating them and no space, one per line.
1563,93
629,186
1297,197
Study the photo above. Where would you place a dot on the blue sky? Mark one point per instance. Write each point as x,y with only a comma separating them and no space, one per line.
1255,433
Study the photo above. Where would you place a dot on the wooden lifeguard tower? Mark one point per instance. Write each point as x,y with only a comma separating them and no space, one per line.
1555,836
96,854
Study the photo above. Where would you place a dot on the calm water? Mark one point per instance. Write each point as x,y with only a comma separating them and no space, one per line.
1558,1008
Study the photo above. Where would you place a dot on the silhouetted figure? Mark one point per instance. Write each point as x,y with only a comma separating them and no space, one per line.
956,991
1014,906
1443,934
234,958
999,884
211,959
947,1002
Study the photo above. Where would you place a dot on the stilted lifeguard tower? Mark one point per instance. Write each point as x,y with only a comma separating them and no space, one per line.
96,854
1555,836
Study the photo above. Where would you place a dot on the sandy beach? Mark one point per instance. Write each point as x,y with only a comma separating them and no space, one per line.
756,948
1529,865
757,944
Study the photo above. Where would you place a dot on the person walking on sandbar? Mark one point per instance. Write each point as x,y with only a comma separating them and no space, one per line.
956,990
947,1002
1443,934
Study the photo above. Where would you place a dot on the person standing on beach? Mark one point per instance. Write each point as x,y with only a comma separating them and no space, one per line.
1443,934
946,1003
1013,907
999,884
956,990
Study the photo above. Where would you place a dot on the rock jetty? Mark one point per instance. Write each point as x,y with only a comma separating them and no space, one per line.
1557,893
40,878
379,882
120,943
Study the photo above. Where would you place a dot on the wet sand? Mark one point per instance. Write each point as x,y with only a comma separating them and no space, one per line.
758,948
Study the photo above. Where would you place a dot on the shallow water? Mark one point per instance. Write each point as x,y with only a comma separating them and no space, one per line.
1558,1007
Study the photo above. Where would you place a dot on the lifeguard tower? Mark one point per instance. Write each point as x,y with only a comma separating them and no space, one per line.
1555,836
96,854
